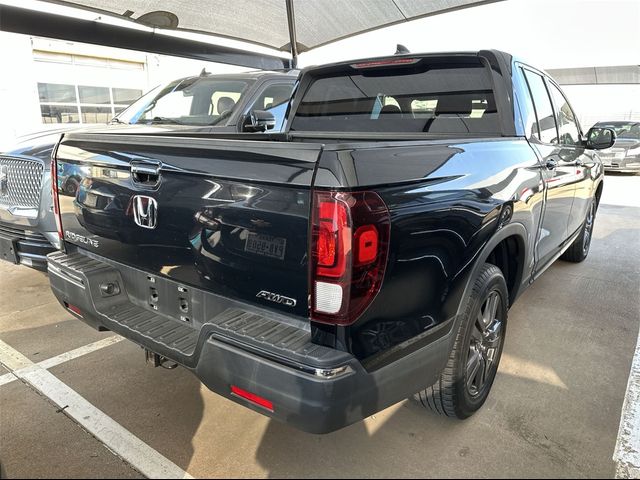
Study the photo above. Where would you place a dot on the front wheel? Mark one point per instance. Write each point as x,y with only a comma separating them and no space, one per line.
579,249
465,383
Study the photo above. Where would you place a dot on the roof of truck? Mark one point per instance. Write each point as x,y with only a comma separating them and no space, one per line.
503,56
250,75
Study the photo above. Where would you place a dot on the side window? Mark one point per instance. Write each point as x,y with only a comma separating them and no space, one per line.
567,124
275,99
544,110
529,112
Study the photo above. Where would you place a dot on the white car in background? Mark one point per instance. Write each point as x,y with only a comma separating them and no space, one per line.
624,155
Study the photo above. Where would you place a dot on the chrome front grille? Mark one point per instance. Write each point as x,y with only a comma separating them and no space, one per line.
20,182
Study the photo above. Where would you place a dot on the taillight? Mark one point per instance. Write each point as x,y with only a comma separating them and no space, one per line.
54,194
350,243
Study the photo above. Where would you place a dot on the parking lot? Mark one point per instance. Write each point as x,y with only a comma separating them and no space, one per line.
84,404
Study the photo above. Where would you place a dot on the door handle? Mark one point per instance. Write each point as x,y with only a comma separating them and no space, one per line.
551,164
146,172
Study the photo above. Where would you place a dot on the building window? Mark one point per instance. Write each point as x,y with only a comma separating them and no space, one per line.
125,96
53,92
94,95
95,114
59,114
61,103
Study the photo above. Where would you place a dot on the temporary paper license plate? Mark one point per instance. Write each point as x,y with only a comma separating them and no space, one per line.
266,245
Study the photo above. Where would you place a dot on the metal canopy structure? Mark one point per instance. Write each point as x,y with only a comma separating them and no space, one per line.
290,26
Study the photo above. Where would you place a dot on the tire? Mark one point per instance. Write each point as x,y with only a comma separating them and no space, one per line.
459,392
579,249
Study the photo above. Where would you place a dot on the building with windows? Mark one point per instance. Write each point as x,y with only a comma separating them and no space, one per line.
48,83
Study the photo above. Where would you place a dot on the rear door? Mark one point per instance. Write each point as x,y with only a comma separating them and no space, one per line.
226,216
558,172
576,158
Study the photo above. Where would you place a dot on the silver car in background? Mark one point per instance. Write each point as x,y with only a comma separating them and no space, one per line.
624,155
198,104
27,226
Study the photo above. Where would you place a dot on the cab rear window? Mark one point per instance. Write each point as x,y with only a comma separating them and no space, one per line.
425,97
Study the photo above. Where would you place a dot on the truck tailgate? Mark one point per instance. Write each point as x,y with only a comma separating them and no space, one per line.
227,216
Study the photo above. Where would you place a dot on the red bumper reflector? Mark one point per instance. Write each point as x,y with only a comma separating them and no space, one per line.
252,397
73,308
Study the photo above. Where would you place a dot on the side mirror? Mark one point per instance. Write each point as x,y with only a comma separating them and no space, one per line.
259,121
600,138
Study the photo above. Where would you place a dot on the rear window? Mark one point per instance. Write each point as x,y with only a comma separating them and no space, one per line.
425,97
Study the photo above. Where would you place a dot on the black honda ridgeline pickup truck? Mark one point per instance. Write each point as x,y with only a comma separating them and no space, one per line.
367,253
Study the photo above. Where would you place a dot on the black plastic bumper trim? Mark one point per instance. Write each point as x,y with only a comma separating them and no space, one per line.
251,351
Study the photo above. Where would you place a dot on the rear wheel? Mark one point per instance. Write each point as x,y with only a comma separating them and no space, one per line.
465,383
579,249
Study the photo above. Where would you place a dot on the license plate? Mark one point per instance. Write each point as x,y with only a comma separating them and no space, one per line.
266,245
91,200
8,250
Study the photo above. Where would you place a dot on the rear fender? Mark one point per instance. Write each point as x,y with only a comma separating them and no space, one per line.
513,229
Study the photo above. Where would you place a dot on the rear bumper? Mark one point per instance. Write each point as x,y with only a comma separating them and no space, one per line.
314,388
27,247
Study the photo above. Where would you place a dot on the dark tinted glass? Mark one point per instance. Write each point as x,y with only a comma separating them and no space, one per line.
427,97
59,114
125,96
54,92
94,95
544,110
567,124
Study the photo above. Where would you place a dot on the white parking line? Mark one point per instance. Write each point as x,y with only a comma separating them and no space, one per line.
115,437
62,358
627,452
79,352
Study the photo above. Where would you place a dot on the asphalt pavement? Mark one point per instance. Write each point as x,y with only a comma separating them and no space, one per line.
83,404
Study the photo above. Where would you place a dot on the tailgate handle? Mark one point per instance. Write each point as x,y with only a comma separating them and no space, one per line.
146,172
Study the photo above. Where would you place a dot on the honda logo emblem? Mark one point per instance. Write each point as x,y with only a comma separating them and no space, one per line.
145,211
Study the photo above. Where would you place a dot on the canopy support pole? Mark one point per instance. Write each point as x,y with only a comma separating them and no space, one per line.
293,41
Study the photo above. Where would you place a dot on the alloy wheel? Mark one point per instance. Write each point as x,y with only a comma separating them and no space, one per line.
484,347
588,227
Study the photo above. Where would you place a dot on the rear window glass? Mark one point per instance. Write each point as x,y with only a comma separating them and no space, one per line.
426,97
